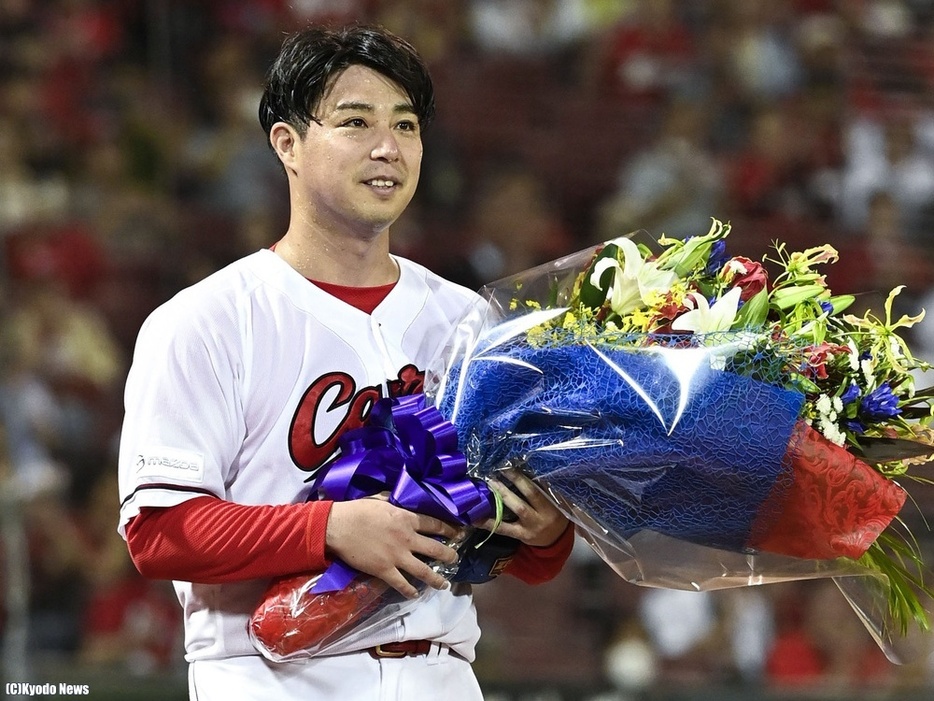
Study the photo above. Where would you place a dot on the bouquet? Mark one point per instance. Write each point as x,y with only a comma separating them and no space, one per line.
702,425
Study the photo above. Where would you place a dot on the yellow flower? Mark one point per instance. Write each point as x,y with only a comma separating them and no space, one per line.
641,319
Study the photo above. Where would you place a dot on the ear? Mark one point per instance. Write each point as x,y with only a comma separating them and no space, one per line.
284,140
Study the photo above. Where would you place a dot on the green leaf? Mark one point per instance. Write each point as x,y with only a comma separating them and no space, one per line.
901,563
754,312
708,289
805,385
594,296
695,252
921,395
913,412
879,449
788,297
841,302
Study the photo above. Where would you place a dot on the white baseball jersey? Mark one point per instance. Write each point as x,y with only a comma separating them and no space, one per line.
239,388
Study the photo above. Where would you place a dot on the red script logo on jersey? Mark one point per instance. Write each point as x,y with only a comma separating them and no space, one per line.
307,453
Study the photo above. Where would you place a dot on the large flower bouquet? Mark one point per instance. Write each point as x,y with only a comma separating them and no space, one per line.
703,425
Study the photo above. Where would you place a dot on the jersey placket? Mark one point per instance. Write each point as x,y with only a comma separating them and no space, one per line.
390,368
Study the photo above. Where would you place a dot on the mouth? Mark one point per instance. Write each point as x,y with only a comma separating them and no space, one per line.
382,184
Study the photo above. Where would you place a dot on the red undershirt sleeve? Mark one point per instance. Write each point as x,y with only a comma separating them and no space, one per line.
538,565
212,541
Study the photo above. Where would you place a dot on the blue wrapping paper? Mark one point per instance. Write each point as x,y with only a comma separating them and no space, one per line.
654,438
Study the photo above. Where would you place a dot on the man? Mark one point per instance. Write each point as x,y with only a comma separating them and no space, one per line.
241,384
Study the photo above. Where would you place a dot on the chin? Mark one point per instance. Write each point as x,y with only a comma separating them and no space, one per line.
373,228
380,221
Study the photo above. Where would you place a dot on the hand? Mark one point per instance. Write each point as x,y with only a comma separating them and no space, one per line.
388,542
538,521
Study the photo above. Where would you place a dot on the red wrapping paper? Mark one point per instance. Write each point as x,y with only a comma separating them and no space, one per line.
836,505
290,618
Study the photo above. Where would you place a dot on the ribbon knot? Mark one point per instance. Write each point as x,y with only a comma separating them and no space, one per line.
409,450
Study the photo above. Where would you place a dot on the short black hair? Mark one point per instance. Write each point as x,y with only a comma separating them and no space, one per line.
311,58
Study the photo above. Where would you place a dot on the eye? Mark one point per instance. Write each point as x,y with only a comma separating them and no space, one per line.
407,125
357,122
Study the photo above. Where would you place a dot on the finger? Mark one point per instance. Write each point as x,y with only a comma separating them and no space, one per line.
397,581
435,550
426,574
515,475
526,486
428,525
512,501
512,530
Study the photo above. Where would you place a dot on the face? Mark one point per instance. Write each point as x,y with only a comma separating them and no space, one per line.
356,171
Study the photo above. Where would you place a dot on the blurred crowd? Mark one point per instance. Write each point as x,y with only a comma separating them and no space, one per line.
132,164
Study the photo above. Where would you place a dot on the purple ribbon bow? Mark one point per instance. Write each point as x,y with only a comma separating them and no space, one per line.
409,450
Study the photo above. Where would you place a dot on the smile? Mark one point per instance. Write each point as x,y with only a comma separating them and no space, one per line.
382,184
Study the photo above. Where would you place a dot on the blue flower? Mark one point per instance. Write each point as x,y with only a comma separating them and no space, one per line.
718,257
826,307
851,394
879,404
855,426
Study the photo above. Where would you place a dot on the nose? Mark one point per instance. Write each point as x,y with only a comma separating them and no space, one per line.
386,147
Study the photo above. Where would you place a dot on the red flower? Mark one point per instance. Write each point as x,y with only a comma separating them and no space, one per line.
669,310
748,275
819,355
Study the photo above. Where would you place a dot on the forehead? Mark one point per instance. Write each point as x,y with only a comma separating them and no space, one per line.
363,86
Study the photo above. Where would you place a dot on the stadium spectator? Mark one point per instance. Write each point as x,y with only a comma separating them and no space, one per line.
886,154
513,225
672,185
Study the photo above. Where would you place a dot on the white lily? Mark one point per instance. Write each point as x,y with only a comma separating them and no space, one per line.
706,318
634,281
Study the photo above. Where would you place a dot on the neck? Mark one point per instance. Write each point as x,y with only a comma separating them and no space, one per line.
340,260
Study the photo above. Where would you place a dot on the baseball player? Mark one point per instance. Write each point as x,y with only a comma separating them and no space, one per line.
241,384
